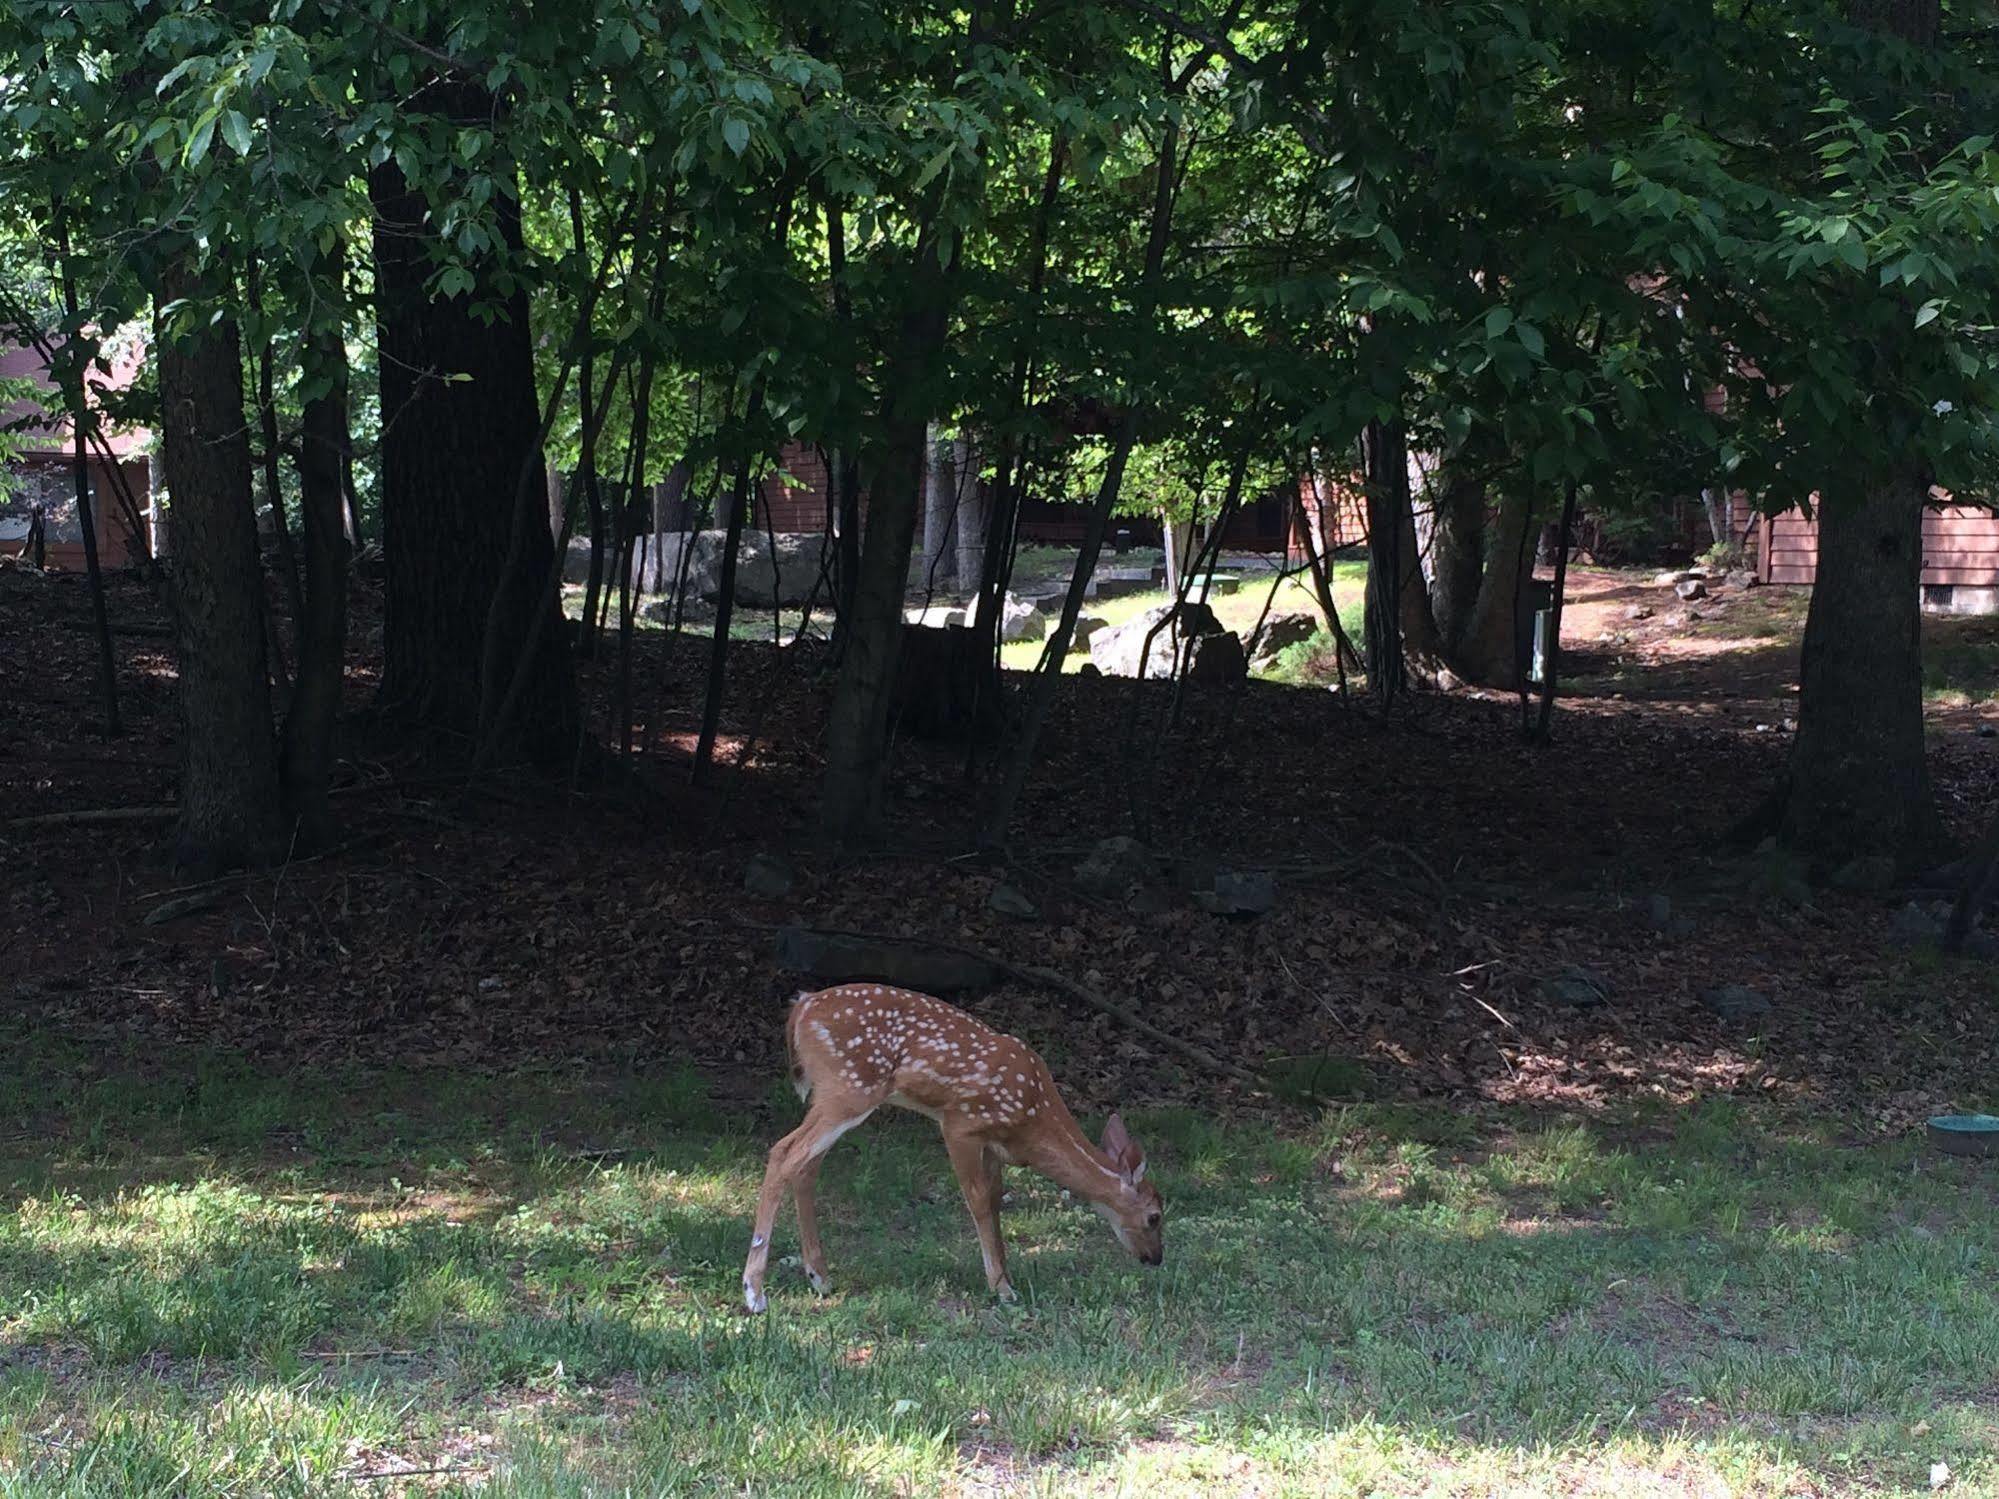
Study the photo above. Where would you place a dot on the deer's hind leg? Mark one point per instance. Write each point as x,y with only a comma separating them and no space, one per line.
789,1163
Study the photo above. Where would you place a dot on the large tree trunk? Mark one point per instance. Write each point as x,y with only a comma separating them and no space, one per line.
306,764
228,756
1401,637
1488,651
940,510
1457,555
458,433
857,725
1858,782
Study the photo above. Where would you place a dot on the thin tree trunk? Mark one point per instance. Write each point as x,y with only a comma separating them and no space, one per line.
274,491
725,606
307,758
228,756
1551,665
77,390
1457,556
1000,816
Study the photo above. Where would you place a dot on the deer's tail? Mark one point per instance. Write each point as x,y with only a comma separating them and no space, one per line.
800,1083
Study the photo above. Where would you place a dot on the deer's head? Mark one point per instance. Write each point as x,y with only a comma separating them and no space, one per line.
1134,1209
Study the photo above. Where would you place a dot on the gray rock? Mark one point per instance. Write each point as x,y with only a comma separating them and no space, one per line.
1011,900
1281,632
1690,589
1116,866
1022,619
1149,900
1734,1002
1217,659
768,877
1916,925
1116,651
1673,577
1869,872
1578,988
1239,893
1638,612
1088,627
1742,578
764,578
907,965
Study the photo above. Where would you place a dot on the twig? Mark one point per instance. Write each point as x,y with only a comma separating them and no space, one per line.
91,815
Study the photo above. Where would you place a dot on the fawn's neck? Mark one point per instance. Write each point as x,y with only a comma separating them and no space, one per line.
1064,1154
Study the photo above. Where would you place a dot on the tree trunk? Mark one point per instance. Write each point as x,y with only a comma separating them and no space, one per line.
1489,650
306,764
228,757
1400,631
857,724
972,501
77,390
939,510
453,453
1457,556
1858,782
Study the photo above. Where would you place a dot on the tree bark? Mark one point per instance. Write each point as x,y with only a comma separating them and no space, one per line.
228,756
453,452
1457,555
307,759
1489,650
940,493
77,390
1858,782
857,725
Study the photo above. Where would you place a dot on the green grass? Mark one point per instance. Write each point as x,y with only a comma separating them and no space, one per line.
215,1282
1960,661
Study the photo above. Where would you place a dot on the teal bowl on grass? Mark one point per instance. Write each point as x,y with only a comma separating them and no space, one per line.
1965,1134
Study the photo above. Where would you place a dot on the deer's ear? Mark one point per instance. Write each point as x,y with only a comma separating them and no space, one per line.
1123,1150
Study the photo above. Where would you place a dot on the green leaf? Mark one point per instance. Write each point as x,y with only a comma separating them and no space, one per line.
198,143
736,135
1498,321
236,131
1531,339
1927,313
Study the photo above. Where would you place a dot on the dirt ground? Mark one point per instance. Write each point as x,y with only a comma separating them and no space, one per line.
1438,879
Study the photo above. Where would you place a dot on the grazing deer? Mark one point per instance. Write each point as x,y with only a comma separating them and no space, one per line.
856,1047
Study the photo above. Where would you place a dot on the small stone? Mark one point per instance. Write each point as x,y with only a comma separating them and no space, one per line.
1217,658
769,878
1988,731
1088,625
1578,988
1239,893
1734,1002
1011,900
1639,611
1022,619
1114,866
1690,589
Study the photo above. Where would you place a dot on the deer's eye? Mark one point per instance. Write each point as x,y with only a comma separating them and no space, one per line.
1152,1220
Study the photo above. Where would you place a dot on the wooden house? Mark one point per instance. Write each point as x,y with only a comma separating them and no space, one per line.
42,476
1960,554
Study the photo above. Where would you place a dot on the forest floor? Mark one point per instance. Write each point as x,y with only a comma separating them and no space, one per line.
435,1151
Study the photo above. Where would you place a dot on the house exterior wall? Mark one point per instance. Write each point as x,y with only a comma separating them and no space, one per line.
44,473
1960,547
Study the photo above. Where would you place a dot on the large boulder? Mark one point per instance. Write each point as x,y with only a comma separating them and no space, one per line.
764,577
1022,619
1217,659
1116,651
785,575
1280,633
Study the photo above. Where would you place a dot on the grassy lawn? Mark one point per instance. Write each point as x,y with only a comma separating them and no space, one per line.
213,1282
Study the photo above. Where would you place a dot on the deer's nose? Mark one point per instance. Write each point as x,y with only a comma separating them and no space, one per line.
1157,1257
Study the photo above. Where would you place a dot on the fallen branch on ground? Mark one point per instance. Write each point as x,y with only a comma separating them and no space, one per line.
93,815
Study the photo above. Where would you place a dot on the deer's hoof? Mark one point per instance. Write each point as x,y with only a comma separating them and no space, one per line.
1006,1293
821,1283
753,1298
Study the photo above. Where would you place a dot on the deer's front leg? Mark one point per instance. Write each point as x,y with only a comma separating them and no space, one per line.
968,1159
